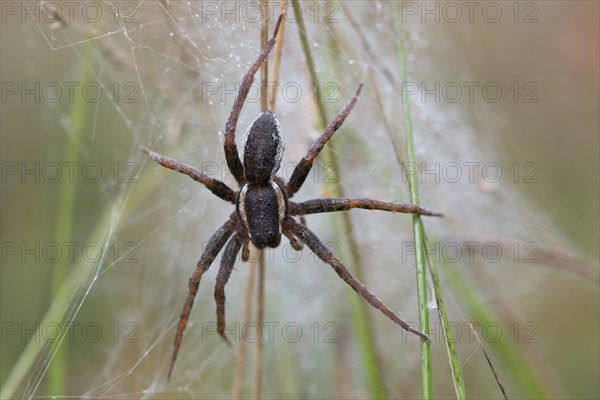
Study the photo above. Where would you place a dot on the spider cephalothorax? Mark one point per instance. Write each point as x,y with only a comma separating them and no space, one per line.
264,211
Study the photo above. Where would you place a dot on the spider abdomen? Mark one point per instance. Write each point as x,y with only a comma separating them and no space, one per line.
262,209
263,149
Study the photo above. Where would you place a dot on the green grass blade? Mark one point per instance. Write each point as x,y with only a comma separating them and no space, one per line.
506,350
419,234
55,313
351,258
76,275
459,386
420,245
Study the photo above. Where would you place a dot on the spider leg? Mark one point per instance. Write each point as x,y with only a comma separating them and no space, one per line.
214,246
313,243
303,168
296,245
316,206
231,153
227,262
217,187
246,249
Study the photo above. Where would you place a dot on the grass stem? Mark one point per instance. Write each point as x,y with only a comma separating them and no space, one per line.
418,232
349,255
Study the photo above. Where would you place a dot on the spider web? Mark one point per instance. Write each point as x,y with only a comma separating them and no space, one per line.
168,72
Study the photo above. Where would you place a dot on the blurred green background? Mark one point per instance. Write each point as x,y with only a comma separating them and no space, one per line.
165,74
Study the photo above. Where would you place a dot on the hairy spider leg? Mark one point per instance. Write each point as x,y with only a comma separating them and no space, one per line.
217,187
227,262
214,246
296,245
303,168
316,206
313,243
246,249
231,152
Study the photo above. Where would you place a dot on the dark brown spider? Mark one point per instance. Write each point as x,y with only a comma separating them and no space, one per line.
263,210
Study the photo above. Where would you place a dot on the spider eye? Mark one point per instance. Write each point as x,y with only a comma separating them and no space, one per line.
263,149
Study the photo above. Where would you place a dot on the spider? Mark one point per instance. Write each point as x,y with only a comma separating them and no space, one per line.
264,210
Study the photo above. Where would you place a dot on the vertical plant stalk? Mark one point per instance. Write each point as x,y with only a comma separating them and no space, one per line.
349,253
449,341
264,70
277,56
260,293
266,104
419,235
240,362
260,306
